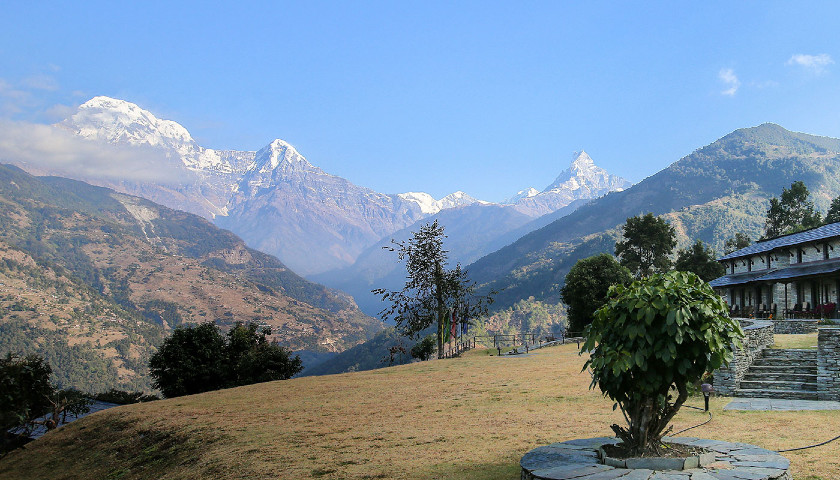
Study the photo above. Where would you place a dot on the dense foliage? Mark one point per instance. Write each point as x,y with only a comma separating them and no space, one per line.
649,342
701,260
197,359
586,287
739,241
833,214
27,398
424,349
646,245
431,292
792,212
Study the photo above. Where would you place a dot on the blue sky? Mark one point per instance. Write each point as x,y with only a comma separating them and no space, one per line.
487,97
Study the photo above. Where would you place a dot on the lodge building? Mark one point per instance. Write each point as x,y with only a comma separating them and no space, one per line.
793,276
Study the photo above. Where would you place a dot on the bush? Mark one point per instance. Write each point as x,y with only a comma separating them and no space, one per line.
198,359
651,340
424,349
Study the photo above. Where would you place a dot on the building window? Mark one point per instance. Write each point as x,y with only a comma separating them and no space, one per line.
798,255
749,264
825,251
732,267
768,260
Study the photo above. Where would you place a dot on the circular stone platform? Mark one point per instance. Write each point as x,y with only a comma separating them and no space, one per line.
578,460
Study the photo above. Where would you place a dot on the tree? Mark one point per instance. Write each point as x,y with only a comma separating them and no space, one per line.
189,361
424,349
27,398
25,390
833,215
197,359
700,260
650,341
586,287
431,292
647,243
739,241
792,213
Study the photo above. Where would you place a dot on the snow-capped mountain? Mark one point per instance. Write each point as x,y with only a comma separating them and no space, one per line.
527,193
282,204
582,180
120,122
429,205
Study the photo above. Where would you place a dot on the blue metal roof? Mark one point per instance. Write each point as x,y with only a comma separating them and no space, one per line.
803,271
808,236
737,279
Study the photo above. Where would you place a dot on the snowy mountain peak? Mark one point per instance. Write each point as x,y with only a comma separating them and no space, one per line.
429,205
584,175
276,154
582,161
527,193
121,122
118,121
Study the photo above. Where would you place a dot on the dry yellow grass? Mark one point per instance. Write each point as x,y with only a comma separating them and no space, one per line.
467,418
806,340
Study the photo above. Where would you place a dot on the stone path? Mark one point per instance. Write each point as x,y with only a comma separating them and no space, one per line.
578,460
778,404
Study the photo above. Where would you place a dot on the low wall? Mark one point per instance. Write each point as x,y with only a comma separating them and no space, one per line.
828,363
795,326
758,335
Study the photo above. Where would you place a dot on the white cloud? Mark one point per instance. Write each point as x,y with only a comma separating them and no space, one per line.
728,77
46,149
814,63
40,82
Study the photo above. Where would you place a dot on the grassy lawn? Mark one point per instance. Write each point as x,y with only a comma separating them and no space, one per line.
805,340
466,418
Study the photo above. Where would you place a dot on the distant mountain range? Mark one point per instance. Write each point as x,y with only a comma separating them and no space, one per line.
93,279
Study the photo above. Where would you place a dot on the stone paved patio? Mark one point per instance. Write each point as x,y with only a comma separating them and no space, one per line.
578,460
780,404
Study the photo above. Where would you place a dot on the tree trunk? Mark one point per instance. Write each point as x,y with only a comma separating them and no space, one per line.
440,304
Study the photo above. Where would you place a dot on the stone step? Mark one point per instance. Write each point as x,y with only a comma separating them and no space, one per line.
775,376
787,369
778,385
785,394
803,353
782,362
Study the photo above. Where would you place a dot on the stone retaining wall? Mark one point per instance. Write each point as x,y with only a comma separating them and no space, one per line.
758,335
828,363
795,326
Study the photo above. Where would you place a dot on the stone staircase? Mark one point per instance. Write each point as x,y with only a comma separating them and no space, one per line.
781,373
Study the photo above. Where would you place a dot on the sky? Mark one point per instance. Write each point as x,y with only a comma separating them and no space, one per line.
485,97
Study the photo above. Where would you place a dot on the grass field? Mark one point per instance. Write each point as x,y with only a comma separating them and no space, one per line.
465,418
807,340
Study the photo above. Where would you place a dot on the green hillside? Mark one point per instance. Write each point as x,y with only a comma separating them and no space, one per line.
93,280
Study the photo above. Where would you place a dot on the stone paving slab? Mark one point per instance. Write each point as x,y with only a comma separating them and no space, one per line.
574,460
779,404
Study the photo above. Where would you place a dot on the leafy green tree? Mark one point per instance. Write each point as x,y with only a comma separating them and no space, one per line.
701,260
27,398
197,359
25,390
586,287
833,214
792,213
189,361
647,244
431,291
251,358
651,340
424,349
739,241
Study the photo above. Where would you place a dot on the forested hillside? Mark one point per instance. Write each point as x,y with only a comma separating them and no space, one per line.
93,280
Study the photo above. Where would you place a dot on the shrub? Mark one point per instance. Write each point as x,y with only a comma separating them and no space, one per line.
649,342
